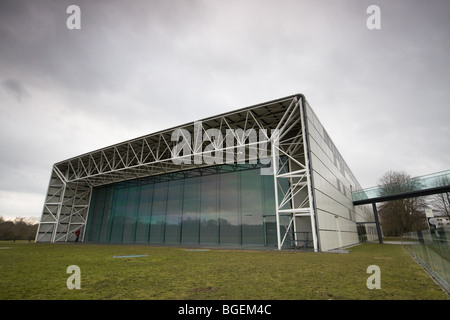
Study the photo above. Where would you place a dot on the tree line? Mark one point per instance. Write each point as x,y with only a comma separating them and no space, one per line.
18,229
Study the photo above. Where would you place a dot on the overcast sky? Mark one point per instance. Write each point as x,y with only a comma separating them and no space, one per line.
136,67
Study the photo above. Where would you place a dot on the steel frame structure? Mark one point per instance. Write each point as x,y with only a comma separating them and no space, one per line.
281,126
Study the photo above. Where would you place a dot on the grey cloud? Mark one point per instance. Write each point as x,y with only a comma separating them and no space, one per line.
136,67
16,88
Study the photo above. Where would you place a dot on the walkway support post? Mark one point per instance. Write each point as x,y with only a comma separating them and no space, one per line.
377,222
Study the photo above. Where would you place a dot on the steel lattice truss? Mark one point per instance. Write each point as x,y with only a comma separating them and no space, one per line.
280,129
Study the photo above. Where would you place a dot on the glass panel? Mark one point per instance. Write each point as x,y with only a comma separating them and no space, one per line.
158,212
251,207
174,210
105,232
270,231
132,206
229,204
209,226
429,181
144,214
191,210
229,209
269,211
119,210
95,215
432,249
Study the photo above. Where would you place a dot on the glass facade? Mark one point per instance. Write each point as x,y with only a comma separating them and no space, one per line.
230,205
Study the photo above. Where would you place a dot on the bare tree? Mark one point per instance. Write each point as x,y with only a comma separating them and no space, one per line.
405,215
442,201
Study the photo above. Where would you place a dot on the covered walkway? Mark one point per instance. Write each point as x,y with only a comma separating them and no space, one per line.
433,183
425,185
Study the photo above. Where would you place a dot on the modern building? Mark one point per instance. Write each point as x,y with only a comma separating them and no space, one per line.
265,176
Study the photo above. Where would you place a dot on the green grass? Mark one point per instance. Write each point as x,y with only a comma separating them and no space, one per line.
38,271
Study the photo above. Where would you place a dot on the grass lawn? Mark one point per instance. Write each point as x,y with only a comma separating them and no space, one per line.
38,271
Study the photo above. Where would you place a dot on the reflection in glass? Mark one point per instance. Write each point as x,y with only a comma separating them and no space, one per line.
229,223
144,214
174,210
209,224
191,211
130,217
223,205
98,200
252,208
158,219
118,212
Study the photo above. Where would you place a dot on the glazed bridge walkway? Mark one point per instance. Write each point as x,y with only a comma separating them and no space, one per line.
429,184
433,183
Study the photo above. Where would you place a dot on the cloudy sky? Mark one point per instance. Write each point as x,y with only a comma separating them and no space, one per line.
136,67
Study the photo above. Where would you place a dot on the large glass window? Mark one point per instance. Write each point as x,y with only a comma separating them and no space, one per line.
229,217
174,211
131,212
118,214
159,207
105,228
252,208
191,211
98,200
223,205
209,223
144,214
269,217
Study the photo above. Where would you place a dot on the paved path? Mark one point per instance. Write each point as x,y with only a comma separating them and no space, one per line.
401,242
